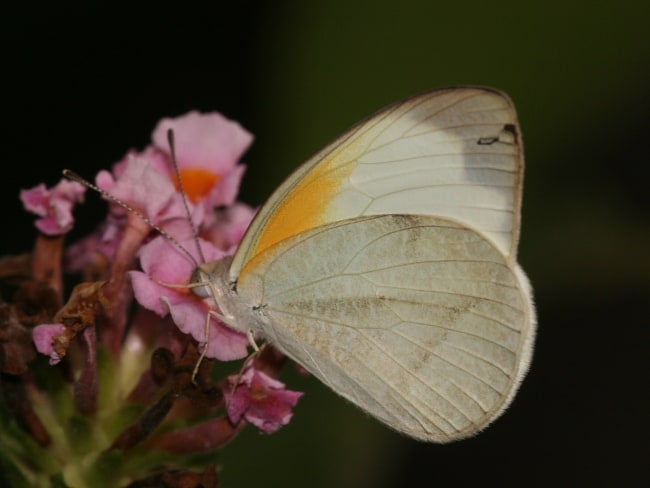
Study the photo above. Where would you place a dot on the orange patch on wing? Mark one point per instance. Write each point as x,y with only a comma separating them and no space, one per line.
304,207
197,182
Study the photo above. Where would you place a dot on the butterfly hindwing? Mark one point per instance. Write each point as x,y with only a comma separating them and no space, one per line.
419,320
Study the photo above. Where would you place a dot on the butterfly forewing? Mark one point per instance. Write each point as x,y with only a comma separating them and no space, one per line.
454,153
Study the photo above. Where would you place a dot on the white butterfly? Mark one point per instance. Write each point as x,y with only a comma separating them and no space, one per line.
386,265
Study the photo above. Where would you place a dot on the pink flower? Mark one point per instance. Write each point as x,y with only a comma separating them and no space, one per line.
208,148
43,336
53,206
141,185
162,262
261,400
225,228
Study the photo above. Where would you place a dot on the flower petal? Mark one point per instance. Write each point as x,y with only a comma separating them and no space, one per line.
209,141
43,336
262,401
143,187
54,206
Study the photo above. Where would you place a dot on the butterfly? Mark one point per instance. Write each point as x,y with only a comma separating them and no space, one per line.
386,265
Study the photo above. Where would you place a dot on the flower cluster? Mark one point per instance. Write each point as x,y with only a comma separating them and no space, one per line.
123,391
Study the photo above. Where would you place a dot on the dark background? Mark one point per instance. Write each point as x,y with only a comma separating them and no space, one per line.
85,81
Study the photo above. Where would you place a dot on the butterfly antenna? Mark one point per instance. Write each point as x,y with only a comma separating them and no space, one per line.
75,177
195,232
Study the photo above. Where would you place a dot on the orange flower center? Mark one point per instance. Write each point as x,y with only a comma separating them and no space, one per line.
197,182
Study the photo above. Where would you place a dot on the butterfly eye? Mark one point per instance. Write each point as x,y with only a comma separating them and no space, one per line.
200,282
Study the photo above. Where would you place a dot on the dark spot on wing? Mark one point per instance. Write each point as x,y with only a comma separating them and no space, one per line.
508,135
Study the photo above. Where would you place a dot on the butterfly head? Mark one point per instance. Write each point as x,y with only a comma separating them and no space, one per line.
208,279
